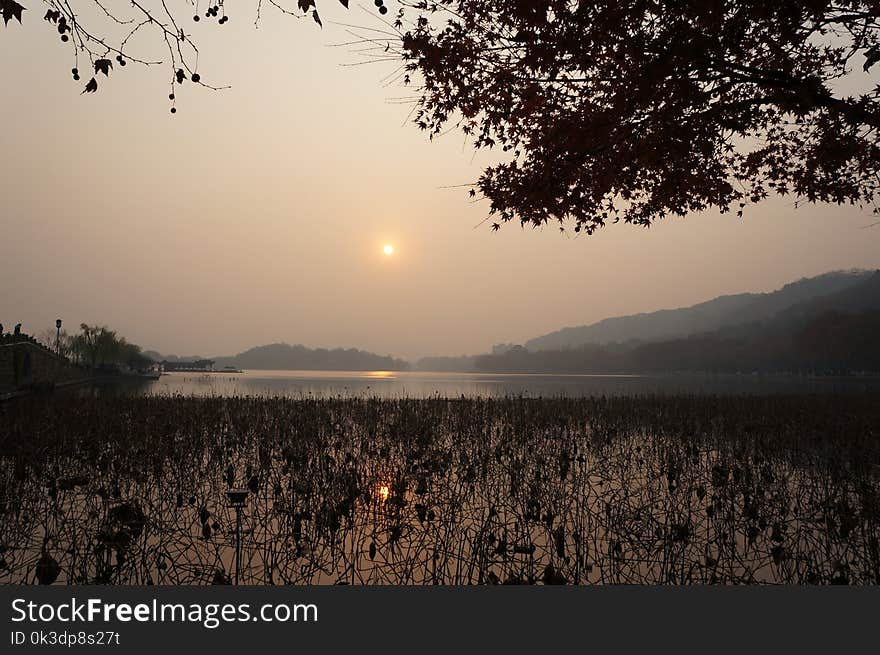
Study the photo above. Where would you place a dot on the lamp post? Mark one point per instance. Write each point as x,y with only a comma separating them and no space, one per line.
237,499
57,336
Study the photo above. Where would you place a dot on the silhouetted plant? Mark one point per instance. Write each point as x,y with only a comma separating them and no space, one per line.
97,31
607,111
632,111
658,490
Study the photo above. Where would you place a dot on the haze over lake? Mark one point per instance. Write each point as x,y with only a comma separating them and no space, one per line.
255,332
395,384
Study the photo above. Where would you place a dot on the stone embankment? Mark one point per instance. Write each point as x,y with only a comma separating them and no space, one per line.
27,365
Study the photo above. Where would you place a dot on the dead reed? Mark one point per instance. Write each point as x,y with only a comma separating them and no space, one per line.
654,490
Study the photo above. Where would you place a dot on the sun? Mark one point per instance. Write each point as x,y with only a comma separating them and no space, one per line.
388,249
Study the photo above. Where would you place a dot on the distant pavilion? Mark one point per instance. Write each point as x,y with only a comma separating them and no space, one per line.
199,366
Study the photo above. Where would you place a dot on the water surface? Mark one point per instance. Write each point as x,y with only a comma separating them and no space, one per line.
394,384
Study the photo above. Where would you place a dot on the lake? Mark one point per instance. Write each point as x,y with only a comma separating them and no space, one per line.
710,489
393,384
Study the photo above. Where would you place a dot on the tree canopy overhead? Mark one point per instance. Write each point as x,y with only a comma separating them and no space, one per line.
635,110
96,30
605,111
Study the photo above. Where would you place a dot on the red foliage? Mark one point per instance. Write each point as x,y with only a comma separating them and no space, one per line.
635,110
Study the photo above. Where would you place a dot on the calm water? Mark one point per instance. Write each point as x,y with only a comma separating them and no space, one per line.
422,384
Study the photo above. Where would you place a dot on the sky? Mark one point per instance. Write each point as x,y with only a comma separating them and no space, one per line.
257,214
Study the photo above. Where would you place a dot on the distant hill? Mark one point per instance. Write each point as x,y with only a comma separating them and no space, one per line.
461,364
861,297
283,356
831,333
709,316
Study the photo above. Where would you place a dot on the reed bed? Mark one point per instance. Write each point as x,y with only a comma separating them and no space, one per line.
604,490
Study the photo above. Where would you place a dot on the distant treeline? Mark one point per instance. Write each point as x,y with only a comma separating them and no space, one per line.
460,364
283,356
833,343
824,324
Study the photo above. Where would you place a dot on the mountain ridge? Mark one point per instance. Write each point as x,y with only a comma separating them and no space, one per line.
285,356
707,316
827,334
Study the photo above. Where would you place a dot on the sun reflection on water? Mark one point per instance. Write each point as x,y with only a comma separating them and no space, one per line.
380,374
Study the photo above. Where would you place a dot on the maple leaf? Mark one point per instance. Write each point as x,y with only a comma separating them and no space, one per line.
52,16
872,56
594,123
11,9
103,66
91,87
305,4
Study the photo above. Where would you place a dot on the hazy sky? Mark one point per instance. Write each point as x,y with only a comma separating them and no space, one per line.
258,214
